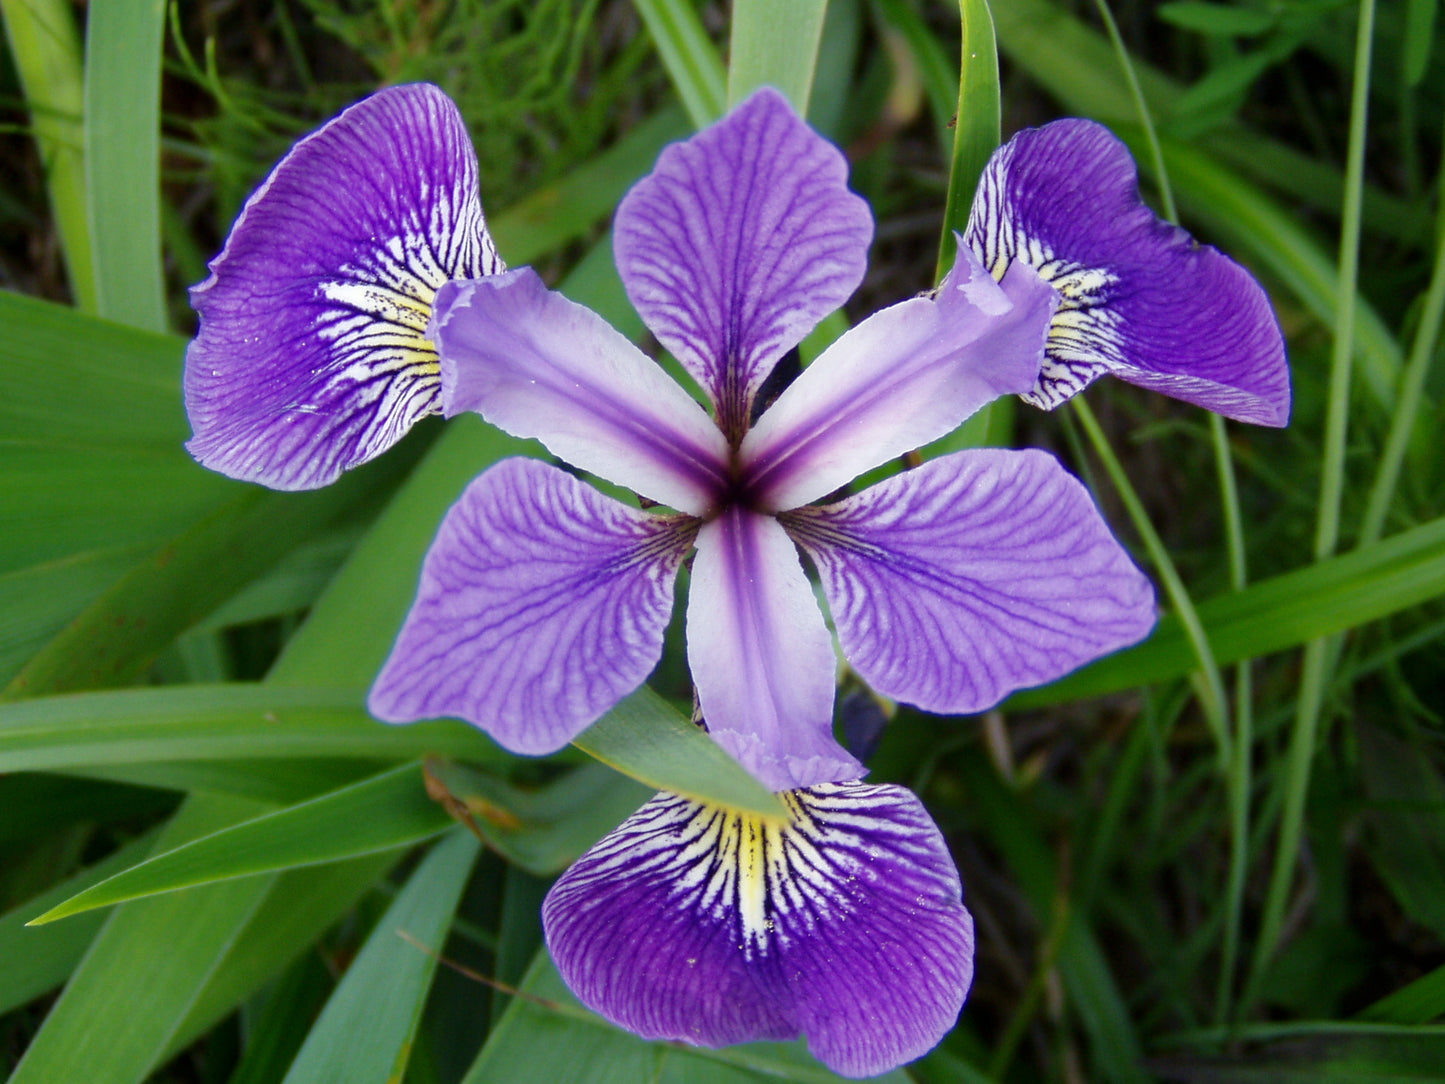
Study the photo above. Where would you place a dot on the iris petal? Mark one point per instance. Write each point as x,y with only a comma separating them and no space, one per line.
761,656
739,241
702,925
542,603
538,365
1139,297
312,356
901,378
976,574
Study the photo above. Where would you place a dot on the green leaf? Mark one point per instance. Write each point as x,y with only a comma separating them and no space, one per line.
215,722
689,57
976,127
300,908
122,158
276,1030
1420,18
143,972
365,1032
1288,610
118,635
1219,20
38,960
775,45
383,813
1418,1003
645,738
75,379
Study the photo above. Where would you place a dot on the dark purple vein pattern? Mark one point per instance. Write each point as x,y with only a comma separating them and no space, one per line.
542,603
1139,298
702,925
312,356
976,574
739,241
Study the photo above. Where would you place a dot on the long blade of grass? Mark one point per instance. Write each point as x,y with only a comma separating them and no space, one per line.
775,45
977,124
144,970
383,813
214,723
366,1030
1314,675
1212,699
122,158
646,739
113,639
689,57
36,960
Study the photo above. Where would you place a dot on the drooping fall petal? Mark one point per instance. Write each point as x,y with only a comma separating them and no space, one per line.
1139,297
699,924
312,356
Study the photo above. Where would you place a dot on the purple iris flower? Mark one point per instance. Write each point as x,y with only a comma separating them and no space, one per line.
312,355
543,602
1138,297
704,925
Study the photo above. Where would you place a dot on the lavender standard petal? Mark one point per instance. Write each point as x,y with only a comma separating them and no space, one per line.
901,378
739,241
976,574
542,603
312,356
703,925
538,365
761,656
1140,299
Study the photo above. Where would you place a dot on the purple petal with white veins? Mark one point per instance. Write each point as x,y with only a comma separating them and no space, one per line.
542,603
739,241
978,573
761,656
1140,298
538,365
312,355
901,378
699,924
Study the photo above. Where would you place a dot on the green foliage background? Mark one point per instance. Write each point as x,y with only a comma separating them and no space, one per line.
1217,856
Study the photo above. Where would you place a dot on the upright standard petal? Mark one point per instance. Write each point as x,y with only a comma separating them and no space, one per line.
538,365
312,355
761,656
739,241
901,378
542,603
845,925
1140,299
976,574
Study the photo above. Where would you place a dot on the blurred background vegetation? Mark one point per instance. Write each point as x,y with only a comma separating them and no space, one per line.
1169,885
